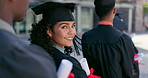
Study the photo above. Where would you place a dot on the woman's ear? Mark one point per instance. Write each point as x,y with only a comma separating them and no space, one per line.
49,32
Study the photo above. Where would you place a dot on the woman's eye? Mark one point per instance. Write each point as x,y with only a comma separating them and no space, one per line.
64,27
73,26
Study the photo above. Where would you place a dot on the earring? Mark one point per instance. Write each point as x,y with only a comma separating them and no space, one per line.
51,39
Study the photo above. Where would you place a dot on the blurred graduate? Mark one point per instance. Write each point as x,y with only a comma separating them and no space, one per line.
109,51
119,23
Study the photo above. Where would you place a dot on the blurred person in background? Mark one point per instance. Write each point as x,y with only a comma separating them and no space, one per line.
119,23
109,51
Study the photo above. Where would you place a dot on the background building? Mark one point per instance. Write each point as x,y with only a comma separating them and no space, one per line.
130,10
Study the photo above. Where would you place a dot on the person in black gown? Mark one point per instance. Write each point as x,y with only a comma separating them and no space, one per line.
56,33
119,23
109,51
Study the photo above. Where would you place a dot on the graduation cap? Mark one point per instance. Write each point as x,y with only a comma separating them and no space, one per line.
118,23
55,11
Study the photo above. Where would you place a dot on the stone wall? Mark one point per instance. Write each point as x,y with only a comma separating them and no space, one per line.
139,16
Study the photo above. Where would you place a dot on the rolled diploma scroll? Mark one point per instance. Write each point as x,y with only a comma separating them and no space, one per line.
139,57
64,69
84,65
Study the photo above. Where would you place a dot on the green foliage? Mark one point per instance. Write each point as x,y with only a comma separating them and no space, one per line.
145,8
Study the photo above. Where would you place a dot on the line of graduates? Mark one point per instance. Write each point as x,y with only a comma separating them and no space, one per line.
109,51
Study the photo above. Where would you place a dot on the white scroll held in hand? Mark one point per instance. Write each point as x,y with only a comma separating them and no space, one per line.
64,69
85,66
138,56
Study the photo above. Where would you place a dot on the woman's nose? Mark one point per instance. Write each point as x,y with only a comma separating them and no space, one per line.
72,31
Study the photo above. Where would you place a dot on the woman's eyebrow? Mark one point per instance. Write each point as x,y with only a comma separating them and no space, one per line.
74,23
64,23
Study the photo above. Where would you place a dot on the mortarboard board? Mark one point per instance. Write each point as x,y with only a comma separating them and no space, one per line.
118,23
55,11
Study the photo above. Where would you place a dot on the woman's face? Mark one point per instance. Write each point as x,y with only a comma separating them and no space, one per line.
63,33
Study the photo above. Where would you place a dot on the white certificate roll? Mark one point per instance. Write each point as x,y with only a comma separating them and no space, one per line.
64,69
84,65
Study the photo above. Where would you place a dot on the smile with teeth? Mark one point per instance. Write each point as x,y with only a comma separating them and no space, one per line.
69,38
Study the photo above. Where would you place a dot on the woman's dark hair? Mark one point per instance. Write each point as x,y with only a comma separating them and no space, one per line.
40,37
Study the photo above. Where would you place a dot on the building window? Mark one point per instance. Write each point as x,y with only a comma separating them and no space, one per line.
86,19
25,26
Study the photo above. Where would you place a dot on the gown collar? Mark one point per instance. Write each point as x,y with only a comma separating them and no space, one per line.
5,26
59,48
105,23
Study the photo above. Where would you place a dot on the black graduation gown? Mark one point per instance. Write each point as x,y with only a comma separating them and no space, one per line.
110,52
19,60
77,69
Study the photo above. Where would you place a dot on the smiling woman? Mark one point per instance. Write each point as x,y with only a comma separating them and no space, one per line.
56,33
63,33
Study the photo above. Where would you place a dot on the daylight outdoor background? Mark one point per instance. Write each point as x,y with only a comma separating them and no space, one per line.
133,12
